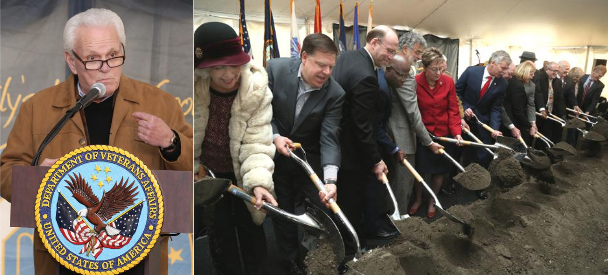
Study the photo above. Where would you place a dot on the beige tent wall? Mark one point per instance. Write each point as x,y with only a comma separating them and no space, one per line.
577,56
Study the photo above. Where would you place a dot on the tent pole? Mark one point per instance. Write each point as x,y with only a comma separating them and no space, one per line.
470,53
587,58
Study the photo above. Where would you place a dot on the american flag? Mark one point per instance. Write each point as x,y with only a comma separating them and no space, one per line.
77,231
243,31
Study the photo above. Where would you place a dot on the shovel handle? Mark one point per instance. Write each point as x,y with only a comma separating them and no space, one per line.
294,146
452,160
491,130
416,175
522,141
419,179
240,193
466,142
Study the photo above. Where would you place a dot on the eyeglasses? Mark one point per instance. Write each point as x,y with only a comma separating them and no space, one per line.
390,51
437,70
401,75
97,64
417,52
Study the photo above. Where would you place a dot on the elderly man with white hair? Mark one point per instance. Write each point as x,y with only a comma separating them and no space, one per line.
134,116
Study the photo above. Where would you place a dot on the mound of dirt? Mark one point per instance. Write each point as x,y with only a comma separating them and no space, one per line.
532,228
474,177
507,173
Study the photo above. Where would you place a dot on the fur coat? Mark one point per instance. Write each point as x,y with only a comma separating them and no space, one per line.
251,136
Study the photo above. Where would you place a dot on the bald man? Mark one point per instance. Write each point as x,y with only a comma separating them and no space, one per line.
361,162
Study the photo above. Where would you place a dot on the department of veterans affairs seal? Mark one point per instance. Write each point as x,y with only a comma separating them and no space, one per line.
99,210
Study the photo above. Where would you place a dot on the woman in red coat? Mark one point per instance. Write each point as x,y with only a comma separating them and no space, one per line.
440,113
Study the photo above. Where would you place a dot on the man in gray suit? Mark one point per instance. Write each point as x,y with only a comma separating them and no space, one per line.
405,122
307,107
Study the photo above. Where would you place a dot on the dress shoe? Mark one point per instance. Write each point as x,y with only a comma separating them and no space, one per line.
432,214
482,194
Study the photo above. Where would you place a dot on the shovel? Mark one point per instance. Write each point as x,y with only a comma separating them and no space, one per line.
475,138
504,142
582,114
396,216
468,177
466,228
553,118
318,183
546,140
591,135
209,190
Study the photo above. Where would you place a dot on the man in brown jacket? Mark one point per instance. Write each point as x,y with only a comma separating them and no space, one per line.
133,116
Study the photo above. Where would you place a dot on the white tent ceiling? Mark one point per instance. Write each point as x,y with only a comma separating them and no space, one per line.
523,23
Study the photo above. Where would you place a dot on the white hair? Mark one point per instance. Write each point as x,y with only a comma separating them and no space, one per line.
499,56
92,18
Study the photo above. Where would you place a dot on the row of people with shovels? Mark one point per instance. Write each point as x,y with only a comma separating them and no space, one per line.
349,130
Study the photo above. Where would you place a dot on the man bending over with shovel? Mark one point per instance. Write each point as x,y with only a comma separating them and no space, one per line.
307,106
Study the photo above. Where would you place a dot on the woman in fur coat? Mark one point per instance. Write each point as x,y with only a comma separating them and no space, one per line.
233,138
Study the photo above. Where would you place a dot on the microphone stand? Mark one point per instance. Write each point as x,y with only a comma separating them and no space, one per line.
69,114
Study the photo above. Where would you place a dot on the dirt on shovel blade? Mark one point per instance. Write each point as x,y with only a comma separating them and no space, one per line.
575,123
474,178
601,128
562,149
594,136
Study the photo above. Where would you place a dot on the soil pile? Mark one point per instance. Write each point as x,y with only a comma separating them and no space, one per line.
474,177
533,228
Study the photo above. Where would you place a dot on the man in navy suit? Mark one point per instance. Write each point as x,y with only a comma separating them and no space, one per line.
590,89
481,90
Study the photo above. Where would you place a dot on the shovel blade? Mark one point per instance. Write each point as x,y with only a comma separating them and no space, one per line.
208,191
329,229
511,144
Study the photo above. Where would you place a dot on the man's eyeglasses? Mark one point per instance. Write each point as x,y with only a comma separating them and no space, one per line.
417,52
401,75
390,51
97,64
437,70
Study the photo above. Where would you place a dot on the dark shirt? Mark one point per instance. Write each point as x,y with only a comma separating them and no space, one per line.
100,116
215,149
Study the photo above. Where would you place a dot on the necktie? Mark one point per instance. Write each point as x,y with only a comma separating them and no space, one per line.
549,104
485,87
587,89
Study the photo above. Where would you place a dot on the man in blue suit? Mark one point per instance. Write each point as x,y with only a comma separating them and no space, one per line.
481,90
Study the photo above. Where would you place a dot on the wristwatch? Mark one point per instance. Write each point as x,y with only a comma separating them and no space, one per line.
173,142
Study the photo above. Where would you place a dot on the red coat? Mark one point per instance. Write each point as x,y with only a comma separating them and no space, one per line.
439,106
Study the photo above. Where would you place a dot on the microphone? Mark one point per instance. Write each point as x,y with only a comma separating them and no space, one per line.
98,90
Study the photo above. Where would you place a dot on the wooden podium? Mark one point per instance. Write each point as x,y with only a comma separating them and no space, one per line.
176,187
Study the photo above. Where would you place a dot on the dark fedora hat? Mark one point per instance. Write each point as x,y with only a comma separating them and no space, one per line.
217,44
528,56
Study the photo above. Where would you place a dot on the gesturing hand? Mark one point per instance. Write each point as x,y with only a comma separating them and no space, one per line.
153,130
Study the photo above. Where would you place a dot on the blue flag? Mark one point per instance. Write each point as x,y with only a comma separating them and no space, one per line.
270,49
356,30
243,31
342,43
